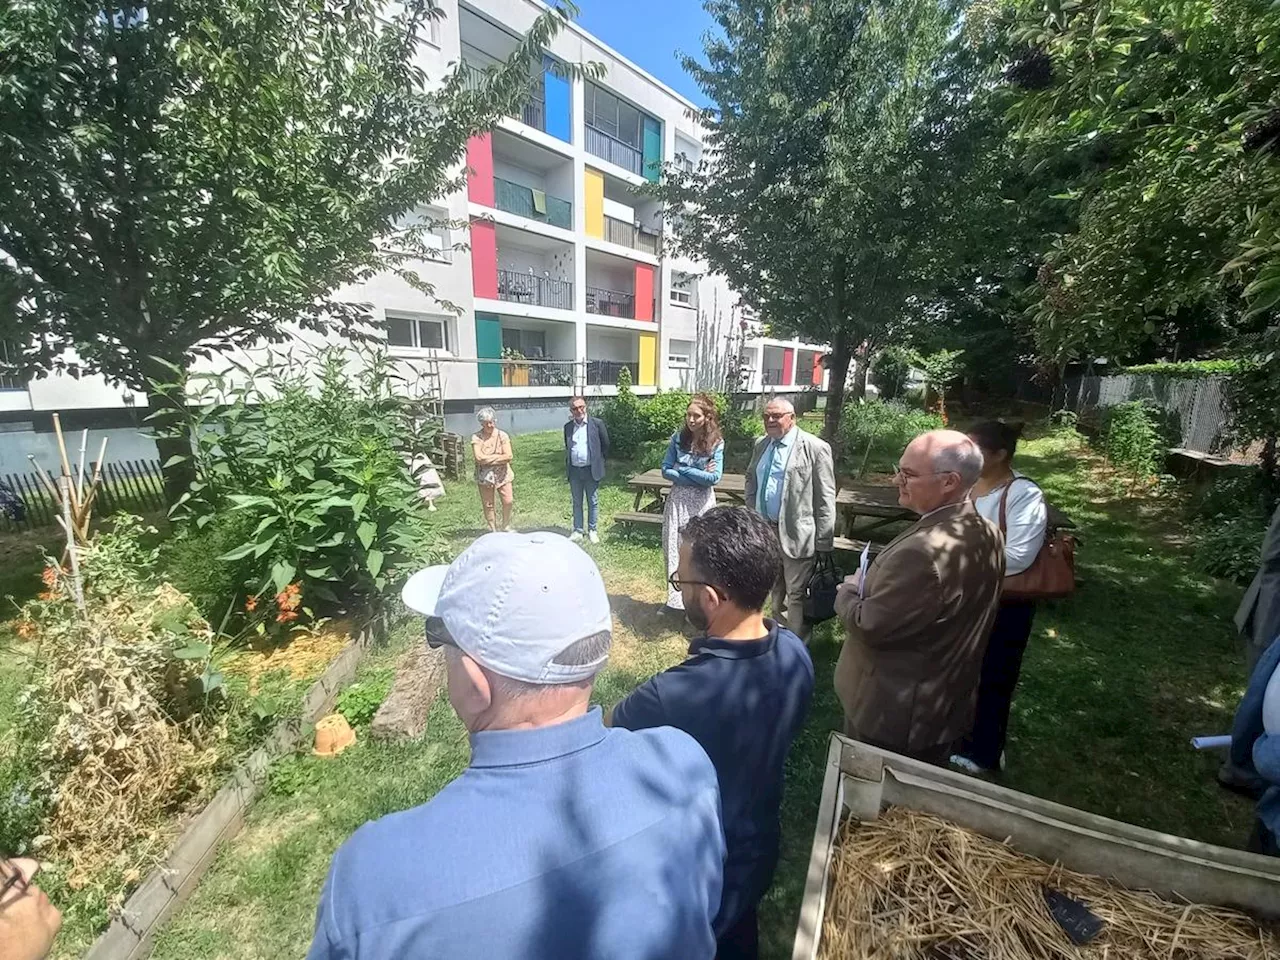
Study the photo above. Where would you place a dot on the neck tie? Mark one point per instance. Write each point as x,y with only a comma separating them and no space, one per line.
768,472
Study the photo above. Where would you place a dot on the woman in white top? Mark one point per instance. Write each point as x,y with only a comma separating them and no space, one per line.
1025,522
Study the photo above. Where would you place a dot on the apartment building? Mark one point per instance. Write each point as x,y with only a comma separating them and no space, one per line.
557,262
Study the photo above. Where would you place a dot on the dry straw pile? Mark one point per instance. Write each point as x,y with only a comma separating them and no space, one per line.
913,887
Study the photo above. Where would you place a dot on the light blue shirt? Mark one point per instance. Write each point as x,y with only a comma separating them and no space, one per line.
569,842
578,454
770,472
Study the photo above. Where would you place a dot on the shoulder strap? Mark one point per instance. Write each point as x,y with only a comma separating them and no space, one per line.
1004,503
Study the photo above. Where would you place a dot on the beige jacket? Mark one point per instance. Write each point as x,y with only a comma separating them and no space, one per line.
807,521
908,673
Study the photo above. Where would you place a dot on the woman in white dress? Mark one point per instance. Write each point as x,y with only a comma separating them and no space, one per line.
694,463
1025,522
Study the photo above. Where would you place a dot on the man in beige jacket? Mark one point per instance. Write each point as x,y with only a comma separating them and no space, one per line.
917,628
791,480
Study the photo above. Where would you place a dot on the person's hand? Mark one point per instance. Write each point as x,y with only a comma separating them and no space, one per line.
851,582
28,921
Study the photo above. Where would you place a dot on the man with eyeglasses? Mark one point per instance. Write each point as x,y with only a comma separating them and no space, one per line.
791,482
743,694
917,627
586,444
562,839
28,920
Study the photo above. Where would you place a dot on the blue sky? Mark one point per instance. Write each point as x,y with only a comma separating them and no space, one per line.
649,33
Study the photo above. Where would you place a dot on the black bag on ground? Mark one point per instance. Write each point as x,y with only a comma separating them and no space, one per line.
820,592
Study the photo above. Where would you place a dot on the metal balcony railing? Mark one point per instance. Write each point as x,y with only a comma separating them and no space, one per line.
604,373
629,235
10,354
611,303
517,199
528,288
608,147
532,112
538,373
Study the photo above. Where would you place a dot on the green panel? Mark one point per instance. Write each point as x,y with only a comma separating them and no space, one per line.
517,199
652,149
488,344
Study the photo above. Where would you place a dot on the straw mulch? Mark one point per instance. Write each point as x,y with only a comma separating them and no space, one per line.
914,887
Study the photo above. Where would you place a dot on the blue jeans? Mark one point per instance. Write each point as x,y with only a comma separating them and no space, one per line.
581,482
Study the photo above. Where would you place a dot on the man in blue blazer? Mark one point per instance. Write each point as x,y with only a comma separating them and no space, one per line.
586,444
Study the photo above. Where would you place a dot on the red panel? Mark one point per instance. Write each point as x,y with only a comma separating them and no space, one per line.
788,366
817,369
480,169
484,259
644,291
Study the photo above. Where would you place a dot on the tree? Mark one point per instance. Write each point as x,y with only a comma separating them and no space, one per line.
179,177
845,165
1169,107
940,370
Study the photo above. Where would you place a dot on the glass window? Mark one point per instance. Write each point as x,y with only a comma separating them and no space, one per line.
431,334
628,124
417,333
683,288
679,352
399,332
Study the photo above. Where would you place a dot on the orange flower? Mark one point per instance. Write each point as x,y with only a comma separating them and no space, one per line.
284,616
50,577
251,604
290,598
47,595
26,629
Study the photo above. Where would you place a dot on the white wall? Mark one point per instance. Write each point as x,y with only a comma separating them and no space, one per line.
611,274
506,170
557,265
611,345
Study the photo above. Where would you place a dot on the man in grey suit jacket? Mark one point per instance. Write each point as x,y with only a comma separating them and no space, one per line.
791,480
1258,618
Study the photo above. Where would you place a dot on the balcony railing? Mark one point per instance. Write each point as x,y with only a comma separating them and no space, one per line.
773,376
528,288
533,112
608,147
611,303
517,199
604,373
539,373
629,235
10,353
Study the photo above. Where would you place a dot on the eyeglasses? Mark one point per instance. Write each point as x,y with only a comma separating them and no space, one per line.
777,416
438,634
11,878
678,584
908,477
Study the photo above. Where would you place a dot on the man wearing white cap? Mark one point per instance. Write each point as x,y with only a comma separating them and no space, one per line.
562,839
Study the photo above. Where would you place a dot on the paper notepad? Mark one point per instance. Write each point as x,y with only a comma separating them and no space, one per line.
864,562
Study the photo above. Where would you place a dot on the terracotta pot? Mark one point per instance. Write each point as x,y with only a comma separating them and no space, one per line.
333,735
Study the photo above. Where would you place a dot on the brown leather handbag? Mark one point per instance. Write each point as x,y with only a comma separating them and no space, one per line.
1052,575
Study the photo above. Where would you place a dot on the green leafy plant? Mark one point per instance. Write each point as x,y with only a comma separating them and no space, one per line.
621,414
292,775
889,371
940,368
312,458
874,433
1253,397
1132,441
360,701
1188,369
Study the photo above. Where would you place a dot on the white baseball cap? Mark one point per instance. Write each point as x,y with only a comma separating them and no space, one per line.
515,603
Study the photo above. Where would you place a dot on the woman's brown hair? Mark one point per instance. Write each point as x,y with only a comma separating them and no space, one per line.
708,434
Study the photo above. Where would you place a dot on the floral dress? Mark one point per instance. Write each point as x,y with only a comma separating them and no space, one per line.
693,478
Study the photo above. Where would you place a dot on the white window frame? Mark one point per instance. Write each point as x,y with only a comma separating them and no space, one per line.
684,298
683,359
415,321
433,32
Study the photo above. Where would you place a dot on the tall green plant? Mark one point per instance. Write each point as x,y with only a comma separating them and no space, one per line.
940,371
1132,440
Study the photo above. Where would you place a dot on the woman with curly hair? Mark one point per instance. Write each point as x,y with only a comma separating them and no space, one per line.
694,463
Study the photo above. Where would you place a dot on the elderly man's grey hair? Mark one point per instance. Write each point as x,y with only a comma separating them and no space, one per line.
963,457
487,415
786,405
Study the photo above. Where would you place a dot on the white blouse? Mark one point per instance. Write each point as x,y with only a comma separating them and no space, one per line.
1026,519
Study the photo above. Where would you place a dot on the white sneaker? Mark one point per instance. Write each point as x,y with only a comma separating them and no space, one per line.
576,536
593,536
510,530
965,764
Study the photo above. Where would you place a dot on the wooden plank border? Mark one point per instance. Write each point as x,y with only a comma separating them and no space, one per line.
132,934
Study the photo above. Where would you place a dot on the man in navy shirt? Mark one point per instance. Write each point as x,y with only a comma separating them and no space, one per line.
563,839
743,694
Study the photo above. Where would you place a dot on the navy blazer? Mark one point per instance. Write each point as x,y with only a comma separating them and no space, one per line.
597,445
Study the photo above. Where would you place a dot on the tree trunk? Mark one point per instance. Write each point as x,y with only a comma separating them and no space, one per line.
861,369
837,371
166,416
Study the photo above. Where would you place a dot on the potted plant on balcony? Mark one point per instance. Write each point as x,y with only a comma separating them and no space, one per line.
514,375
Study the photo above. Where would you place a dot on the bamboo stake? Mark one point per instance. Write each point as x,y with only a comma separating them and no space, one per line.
46,480
62,446
84,443
76,583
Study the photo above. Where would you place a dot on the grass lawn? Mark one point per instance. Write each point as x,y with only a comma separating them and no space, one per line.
1115,681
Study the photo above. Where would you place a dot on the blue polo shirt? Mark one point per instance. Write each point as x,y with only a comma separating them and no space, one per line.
570,842
744,702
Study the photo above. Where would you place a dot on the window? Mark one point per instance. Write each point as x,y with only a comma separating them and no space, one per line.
433,30
610,115
684,289
679,353
417,333
531,344
9,353
439,247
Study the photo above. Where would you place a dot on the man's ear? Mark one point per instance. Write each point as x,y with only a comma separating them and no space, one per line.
477,692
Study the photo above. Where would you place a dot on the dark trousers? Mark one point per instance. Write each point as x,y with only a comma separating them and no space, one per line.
1263,840
1001,666
742,940
582,483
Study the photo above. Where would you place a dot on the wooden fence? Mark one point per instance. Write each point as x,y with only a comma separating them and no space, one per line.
131,485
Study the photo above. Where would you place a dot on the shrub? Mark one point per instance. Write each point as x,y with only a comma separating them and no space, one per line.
889,371
1186,369
360,701
313,459
193,562
874,433
1132,440
621,415
663,413
1229,520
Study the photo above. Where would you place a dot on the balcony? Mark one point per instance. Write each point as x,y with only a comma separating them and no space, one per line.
533,112
772,377
523,202
629,235
604,373
611,303
530,288
518,372
610,148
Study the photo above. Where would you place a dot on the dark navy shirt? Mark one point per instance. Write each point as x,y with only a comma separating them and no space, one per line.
569,842
744,701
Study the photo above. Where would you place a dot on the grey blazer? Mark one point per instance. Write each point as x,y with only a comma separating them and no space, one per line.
1258,617
807,521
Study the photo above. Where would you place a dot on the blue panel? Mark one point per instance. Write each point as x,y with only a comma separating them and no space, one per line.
558,98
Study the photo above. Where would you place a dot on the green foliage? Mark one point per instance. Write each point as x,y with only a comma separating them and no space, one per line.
889,371
360,701
1228,522
293,775
1186,370
1253,396
195,178
1132,439
622,416
873,433
312,456
639,430
663,413
192,561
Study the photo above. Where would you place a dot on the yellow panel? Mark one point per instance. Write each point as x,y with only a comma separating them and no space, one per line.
593,188
648,359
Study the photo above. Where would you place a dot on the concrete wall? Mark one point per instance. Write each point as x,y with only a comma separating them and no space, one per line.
515,417
123,443
558,265
612,345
